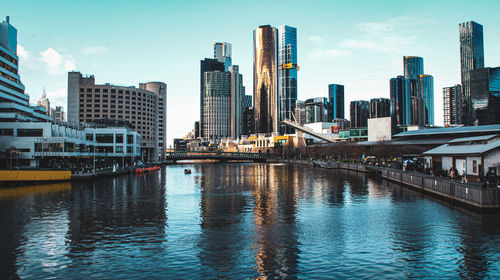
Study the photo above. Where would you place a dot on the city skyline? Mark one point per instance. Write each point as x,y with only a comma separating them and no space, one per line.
331,50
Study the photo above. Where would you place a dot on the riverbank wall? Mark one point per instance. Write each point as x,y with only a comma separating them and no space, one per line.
469,194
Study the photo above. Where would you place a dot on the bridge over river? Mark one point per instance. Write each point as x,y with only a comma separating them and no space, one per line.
220,156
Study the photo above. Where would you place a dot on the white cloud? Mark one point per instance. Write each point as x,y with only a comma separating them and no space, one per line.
26,60
94,50
329,53
315,39
57,64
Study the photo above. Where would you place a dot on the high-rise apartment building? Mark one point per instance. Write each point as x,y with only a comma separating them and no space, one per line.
380,108
471,58
217,105
237,99
58,115
426,100
360,111
223,53
400,101
144,107
287,75
300,112
316,110
335,102
485,95
452,105
265,84
208,64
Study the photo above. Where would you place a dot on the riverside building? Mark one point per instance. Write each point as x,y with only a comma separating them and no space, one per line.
144,108
452,105
217,106
287,76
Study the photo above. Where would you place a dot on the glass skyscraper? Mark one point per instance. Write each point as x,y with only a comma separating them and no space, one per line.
485,95
380,108
223,53
287,75
217,105
426,100
316,109
335,102
265,86
413,68
452,105
208,64
237,101
471,58
400,101
360,111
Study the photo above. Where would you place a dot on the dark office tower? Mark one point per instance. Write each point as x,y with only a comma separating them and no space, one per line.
264,77
400,101
207,64
287,75
380,108
452,105
359,113
413,68
485,95
335,102
197,129
247,102
426,100
316,110
248,121
471,58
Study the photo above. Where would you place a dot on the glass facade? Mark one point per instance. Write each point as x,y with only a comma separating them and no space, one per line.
265,44
359,113
335,102
217,105
426,100
208,64
413,68
471,58
400,101
316,110
223,53
485,95
287,75
380,108
237,101
452,105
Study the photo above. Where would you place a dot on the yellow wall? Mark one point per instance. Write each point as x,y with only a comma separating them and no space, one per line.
31,175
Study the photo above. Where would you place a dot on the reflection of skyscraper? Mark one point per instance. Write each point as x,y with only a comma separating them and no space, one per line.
265,45
287,75
426,95
335,102
471,57
223,53
452,105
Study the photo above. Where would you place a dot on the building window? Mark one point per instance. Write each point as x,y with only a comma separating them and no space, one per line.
130,139
119,138
104,138
29,132
119,149
474,166
89,137
7,132
89,90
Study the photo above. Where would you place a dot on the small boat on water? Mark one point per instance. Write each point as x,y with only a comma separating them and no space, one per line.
187,171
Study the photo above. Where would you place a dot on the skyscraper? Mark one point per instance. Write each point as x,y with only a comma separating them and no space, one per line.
471,57
335,102
208,64
380,108
237,96
44,102
413,68
316,110
400,101
452,105
359,113
264,69
485,95
223,53
287,75
217,105
426,100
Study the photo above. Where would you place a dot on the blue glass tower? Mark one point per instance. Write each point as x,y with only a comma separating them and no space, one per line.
400,101
287,75
335,102
426,95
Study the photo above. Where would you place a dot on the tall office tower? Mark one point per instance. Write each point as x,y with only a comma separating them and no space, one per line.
58,115
217,106
287,75
208,64
359,113
471,58
160,126
452,105
247,101
237,96
316,110
380,108
413,67
44,102
400,101
264,77
223,53
485,95
335,102
143,107
426,100
248,121
300,112
15,103
196,129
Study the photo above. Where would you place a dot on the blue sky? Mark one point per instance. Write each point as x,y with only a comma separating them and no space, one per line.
356,43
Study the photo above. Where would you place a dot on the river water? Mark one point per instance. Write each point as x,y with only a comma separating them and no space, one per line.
241,221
